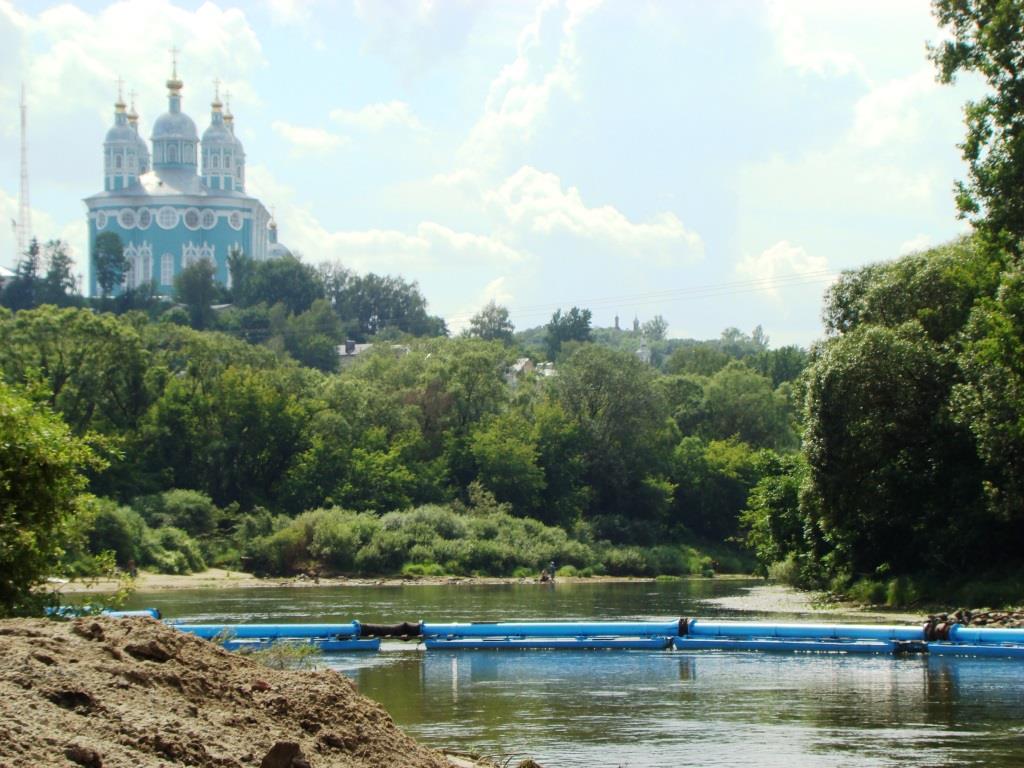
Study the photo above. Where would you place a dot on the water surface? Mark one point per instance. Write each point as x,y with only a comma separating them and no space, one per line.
647,708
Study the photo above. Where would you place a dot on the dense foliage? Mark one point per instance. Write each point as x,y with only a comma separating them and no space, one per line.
912,448
219,446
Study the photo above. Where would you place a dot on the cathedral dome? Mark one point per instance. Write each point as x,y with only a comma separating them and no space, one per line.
120,133
174,125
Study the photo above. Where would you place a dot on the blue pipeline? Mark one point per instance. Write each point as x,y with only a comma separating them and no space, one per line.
753,629
271,631
961,634
553,629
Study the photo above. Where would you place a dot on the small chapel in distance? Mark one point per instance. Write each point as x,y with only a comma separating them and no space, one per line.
184,202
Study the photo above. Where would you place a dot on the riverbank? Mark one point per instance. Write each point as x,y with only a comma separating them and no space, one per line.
217,578
135,693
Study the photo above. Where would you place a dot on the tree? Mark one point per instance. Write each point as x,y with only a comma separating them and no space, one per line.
574,325
655,328
195,288
108,261
491,324
22,292
988,38
374,304
41,477
284,280
240,267
58,283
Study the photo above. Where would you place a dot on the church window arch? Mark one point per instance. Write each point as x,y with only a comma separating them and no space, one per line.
167,269
215,160
172,153
117,161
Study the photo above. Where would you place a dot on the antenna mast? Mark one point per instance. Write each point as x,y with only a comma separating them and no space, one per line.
24,210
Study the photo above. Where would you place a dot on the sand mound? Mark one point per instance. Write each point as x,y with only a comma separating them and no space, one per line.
117,693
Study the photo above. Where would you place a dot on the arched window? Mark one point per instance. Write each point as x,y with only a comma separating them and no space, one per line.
215,161
172,153
117,162
167,269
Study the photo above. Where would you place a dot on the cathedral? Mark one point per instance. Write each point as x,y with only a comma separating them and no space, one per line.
184,202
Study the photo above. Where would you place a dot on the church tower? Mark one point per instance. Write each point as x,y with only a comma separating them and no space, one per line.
174,133
120,151
218,149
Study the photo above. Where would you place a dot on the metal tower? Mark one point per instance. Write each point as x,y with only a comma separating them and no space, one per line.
24,210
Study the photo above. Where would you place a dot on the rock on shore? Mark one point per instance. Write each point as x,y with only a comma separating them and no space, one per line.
134,693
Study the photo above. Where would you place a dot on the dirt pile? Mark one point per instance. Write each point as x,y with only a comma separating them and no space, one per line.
117,693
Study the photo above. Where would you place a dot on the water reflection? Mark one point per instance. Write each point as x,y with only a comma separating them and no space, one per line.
648,708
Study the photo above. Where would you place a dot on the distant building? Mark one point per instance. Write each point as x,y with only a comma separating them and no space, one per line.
184,202
517,370
644,353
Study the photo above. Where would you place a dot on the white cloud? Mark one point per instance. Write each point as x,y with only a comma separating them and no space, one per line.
536,202
915,244
429,245
891,112
547,61
308,141
377,117
782,262
76,56
807,49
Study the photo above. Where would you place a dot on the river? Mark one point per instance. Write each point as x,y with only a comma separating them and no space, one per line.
647,708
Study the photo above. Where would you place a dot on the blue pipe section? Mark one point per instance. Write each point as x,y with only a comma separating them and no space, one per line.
271,631
328,646
753,629
961,634
553,629
71,611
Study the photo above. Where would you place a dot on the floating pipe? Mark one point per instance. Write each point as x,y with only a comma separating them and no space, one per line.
958,633
271,631
753,629
553,629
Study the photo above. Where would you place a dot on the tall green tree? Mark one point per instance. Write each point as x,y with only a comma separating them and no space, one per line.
988,38
58,284
41,485
23,291
194,287
492,323
108,261
574,325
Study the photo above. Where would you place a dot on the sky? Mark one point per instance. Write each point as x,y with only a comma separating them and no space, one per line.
717,163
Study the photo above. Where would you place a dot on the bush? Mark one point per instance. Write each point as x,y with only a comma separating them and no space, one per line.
422,569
